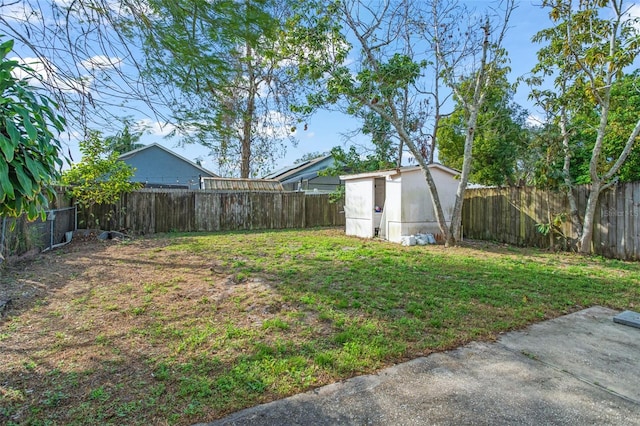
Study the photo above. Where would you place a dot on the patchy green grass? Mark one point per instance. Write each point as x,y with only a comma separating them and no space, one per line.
184,328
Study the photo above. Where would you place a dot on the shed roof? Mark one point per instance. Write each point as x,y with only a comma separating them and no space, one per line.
238,184
391,172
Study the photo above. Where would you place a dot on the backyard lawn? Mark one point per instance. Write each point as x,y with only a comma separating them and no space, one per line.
184,328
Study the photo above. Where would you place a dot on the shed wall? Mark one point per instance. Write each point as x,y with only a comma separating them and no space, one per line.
417,212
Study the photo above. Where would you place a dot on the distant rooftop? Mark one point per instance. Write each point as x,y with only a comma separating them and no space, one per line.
237,184
287,171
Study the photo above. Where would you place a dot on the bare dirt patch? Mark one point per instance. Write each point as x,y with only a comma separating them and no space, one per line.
91,322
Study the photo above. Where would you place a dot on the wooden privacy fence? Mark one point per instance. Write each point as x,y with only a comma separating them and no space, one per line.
516,215
149,211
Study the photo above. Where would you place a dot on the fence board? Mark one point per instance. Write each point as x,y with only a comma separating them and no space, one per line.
636,220
320,212
628,222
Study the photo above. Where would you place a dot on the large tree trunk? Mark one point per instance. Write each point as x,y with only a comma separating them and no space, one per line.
248,118
431,184
600,184
601,90
456,216
472,107
405,138
574,215
584,244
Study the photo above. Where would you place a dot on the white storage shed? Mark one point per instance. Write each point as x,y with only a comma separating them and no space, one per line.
395,203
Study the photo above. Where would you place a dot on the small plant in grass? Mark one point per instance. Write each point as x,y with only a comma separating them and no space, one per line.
325,359
52,398
342,303
553,229
99,394
162,372
101,339
29,365
138,310
275,323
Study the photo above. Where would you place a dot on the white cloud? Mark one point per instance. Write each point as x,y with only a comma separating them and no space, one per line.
534,120
155,128
633,14
46,72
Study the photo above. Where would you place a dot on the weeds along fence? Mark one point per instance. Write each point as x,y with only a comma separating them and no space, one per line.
19,235
527,216
150,211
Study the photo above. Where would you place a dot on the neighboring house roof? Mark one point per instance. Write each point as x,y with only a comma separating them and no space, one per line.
236,184
303,176
294,171
390,172
138,151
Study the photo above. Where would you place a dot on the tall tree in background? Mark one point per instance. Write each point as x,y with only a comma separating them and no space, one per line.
219,67
501,138
587,52
391,78
208,68
125,140
484,65
29,148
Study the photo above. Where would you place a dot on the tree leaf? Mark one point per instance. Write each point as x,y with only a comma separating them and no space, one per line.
24,180
5,184
34,168
7,148
28,126
13,131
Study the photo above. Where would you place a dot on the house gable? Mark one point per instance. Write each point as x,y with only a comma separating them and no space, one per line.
160,167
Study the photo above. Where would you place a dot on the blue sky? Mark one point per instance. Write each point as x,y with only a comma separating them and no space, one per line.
326,129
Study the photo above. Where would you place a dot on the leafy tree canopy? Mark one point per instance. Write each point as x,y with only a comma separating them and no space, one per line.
219,67
29,150
500,142
623,116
